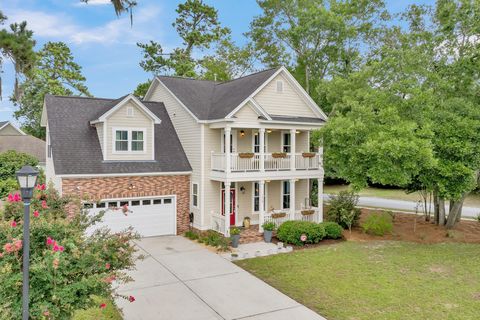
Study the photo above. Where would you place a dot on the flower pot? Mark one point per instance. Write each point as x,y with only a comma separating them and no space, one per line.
277,155
308,154
267,236
246,155
235,240
246,223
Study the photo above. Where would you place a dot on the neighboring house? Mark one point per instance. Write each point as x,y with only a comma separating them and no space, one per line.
264,162
167,156
12,138
117,152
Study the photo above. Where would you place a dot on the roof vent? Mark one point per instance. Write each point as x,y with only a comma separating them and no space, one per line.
279,86
130,111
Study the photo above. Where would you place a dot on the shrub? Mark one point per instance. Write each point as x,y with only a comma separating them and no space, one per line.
269,226
292,231
378,224
343,209
234,231
7,186
68,266
215,239
11,161
192,235
332,229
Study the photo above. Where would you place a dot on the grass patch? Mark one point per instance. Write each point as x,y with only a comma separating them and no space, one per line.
110,312
378,280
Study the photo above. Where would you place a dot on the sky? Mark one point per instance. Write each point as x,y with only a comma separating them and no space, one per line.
105,45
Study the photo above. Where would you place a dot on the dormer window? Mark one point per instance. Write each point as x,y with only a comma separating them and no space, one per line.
279,86
129,140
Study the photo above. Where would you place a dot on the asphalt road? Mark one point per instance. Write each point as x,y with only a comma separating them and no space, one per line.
402,205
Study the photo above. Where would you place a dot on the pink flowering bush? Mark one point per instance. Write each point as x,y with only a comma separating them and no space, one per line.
67,267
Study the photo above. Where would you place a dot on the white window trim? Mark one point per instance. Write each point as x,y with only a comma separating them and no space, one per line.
282,141
282,194
277,82
197,195
129,139
253,197
253,141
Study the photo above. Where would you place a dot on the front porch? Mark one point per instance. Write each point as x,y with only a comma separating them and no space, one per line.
274,201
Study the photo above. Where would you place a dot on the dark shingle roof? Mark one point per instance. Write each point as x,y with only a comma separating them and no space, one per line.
2,123
209,100
24,143
76,148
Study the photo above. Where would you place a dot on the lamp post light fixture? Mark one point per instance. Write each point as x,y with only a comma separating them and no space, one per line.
27,178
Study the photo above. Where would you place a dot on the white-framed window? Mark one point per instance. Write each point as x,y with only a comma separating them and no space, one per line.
121,140
130,112
129,140
256,142
256,197
286,142
279,86
285,194
195,195
137,140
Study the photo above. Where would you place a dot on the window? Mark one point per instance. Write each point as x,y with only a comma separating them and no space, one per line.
256,197
256,143
121,140
167,201
279,86
87,205
101,205
146,202
157,201
112,204
135,202
195,195
130,111
137,140
123,203
286,142
285,195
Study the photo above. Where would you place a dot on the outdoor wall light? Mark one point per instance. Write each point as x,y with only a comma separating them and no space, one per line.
27,178
242,133
269,130
242,189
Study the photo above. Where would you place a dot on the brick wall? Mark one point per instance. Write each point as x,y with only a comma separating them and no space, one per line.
129,187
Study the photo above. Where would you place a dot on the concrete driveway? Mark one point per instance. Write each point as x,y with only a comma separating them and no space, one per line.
180,279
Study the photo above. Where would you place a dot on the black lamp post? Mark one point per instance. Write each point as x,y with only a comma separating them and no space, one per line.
27,178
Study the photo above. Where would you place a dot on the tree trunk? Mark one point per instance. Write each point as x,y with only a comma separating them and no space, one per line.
455,212
436,207
441,211
307,80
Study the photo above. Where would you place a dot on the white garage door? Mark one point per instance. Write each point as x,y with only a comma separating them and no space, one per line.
153,216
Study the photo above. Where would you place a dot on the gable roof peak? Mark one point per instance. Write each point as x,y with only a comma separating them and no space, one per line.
118,103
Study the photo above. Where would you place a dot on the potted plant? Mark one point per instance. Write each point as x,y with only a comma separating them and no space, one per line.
246,155
246,222
279,155
278,215
308,212
235,236
308,154
268,228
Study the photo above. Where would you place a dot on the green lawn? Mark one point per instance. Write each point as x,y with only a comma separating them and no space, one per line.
472,200
379,280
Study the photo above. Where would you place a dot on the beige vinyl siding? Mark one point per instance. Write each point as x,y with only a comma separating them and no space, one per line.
189,133
274,141
212,142
120,120
9,130
301,193
274,195
246,115
244,144
50,175
288,103
99,127
302,143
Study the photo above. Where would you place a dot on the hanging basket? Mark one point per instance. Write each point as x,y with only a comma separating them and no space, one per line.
279,155
279,215
246,155
308,154
307,212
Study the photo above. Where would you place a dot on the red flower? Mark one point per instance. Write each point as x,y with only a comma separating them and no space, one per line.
18,244
107,265
131,298
56,248
61,248
103,306
44,204
40,186
50,241
13,224
8,247
14,198
36,214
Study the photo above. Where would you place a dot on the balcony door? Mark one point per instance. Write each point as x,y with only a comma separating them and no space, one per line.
233,141
256,142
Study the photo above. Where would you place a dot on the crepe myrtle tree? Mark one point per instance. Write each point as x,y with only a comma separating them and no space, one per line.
68,266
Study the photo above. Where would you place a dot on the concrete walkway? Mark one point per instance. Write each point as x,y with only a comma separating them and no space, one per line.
180,279
403,205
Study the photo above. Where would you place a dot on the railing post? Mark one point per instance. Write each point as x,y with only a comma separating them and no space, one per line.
292,148
228,157
320,199
226,210
262,149
292,199
261,194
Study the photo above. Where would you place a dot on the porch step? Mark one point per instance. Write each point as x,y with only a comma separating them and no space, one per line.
257,249
251,235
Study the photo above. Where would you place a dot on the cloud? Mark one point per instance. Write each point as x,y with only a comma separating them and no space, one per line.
93,2
60,26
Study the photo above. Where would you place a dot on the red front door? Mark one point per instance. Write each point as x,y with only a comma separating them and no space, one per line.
232,205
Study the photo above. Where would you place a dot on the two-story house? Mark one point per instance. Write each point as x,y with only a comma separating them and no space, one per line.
221,150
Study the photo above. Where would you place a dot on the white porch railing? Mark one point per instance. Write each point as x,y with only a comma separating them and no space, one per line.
218,223
298,216
271,163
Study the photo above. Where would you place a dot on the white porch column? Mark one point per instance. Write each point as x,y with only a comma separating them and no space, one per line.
320,199
292,199
261,194
228,158
226,209
261,132
292,148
